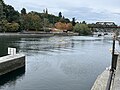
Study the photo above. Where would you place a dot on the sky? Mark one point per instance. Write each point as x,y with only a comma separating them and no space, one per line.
90,11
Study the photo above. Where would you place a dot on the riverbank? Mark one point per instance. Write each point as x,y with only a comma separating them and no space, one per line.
24,35
37,34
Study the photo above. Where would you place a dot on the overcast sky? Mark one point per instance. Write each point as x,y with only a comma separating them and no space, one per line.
88,10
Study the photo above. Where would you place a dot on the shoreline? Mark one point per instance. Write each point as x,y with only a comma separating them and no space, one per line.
36,34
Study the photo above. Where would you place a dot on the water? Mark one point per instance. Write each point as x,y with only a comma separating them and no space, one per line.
57,63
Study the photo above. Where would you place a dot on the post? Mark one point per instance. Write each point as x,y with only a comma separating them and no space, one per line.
11,51
113,51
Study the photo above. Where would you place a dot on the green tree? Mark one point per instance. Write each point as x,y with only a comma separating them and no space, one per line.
60,15
23,11
11,14
1,11
46,11
62,20
83,22
1,1
3,25
51,25
73,21
45,14
32,21
67,20
82,29
12,27
46,22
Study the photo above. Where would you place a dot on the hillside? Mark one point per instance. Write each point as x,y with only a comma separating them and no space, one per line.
12,20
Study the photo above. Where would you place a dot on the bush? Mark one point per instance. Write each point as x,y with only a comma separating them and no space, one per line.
82,29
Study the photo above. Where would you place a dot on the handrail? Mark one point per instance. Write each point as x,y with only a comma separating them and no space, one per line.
113,66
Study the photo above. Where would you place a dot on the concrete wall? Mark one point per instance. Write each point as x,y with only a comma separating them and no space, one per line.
101,81
11,62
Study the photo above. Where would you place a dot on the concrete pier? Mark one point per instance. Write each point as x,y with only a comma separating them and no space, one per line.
11,62
101,81
116,85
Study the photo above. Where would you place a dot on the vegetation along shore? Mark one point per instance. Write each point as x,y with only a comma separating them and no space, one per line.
12,21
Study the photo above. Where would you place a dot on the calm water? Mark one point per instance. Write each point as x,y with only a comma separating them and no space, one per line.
57,63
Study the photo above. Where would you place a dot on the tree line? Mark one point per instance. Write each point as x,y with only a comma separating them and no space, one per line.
14,21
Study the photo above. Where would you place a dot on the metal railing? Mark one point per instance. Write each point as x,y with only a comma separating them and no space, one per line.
113,66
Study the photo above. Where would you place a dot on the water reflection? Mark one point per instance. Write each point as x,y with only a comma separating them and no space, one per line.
11,78
39,45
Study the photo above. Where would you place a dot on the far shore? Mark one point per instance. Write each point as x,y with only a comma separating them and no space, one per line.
37,34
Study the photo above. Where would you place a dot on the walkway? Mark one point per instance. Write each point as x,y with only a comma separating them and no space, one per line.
116,85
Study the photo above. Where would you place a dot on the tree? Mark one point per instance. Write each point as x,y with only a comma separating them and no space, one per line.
1,11
11,14
83,22
46,22
31,21
63,17
62,20
67,20
51,25
15,26
23,11
69,26
82,29
61,26
60,15
73,21
9,18
3,25
64,26
12,27
46,12
1,2
1,14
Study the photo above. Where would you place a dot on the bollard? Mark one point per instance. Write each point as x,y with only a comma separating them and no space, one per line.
11,51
